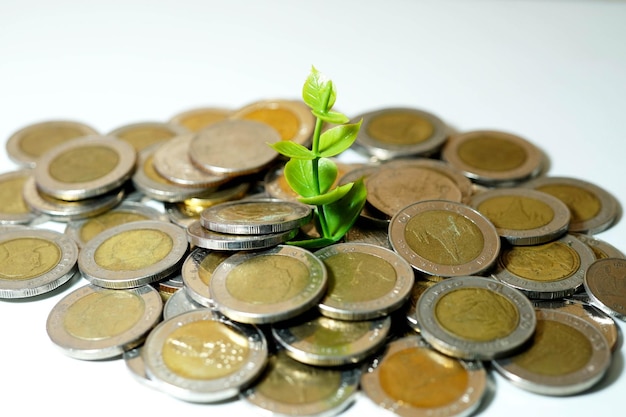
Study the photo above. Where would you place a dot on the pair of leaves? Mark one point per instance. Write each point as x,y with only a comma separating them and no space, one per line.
331,143
320,94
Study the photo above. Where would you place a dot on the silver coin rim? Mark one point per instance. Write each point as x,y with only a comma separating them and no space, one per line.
597,300
207,239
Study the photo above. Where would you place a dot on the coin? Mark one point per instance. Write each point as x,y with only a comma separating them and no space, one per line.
94,323
83,168
419,287
29,143
473,317
444,238
208,239
197,270
198,118
567,356
133,254
136,367
604,282
399,132
179,303
169,285
144,134
35,261
601,248
364,281
523,216
368,214
411,379
13,208
493,158
363,234
268,286
550,270
200,357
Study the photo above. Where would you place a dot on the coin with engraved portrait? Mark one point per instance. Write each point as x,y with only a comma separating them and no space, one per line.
198,118
605,283
141,135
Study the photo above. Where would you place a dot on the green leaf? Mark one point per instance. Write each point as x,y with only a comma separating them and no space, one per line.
341,215
299,176
315,89
338,139
292,150
331,117
327,198
327,173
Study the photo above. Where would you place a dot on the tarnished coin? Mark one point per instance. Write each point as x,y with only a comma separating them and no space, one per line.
144,134
444,238
268,286
86,167
291,388
133,254
292,119
197,270
255,216
234,147
26,145
364,281
550,270
179,303
13,208
35,261
523,216
567,356
601,248
208,239
323,341
475,317
200,357
399,132
493,158
411,379
198,118
593,209
94,323
605,283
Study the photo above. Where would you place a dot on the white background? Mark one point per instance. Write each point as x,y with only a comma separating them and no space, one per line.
550,71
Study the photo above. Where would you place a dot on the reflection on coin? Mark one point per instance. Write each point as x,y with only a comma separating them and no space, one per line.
601,248
364,281
399,132
35,261
144,134
323,341
133,254
85,168
592,208
208,239
179,303
27,144
13,208
197,356
411,379
291,388
95,323
605,283
268,286
567,356
199,118
474,317
550,270
493,158
523,216
444,238
197,271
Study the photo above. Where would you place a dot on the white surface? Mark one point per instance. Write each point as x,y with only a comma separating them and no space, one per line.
550,71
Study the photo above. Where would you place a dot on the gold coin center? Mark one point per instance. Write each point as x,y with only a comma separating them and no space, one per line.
83,164
400,128
492,154
517,212
549,262
26,258
133,250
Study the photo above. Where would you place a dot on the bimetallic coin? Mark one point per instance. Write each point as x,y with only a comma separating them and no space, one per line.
475,318
419,287
169,285
567,356
605,283
323,341
592,208
411,379
364,281
399,132
94,323
523,216
133,254
268,286
13,208
601,248
86,167
179,303
136,366
204,238
199,118
199,357
370,215
29,143
359,233
493,158
142,135
291,388
444,238
35,261
197,271
550,270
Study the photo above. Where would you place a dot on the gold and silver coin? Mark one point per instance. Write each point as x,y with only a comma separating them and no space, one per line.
412,379
142,135
94,323
364,281
550,270
85,168
133,254
197,119
29,143
605,283
268,286
399,132
178,303
523,216
444,238
475,317
197,270
35,261
200,357
493,158
601,248
567,356
13,208
419,287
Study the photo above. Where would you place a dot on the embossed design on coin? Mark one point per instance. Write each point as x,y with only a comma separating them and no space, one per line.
197,271
605,282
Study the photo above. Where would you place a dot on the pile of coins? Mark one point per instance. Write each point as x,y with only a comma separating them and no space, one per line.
466,254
